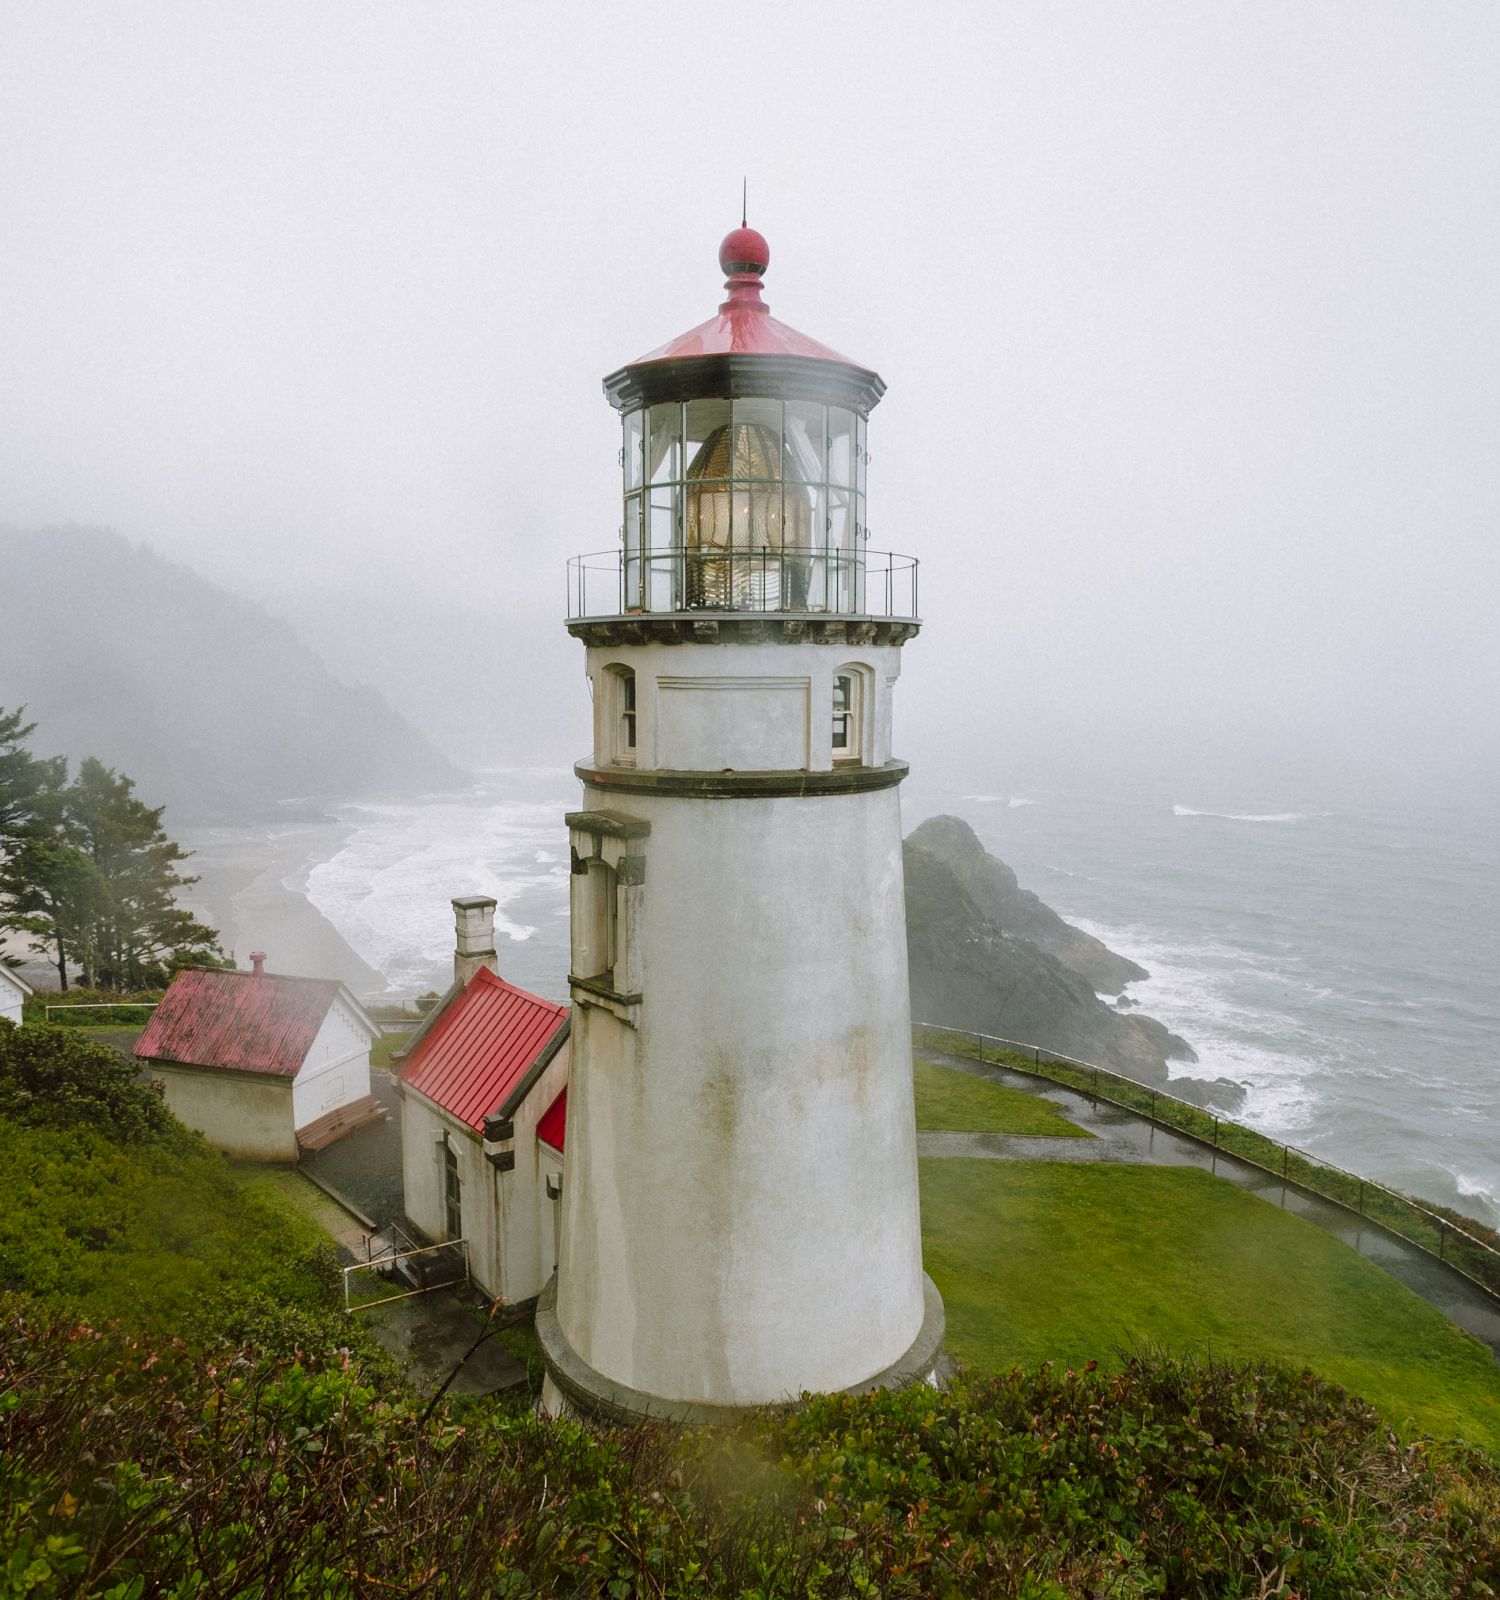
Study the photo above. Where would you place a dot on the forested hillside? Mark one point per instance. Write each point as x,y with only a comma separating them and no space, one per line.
214,706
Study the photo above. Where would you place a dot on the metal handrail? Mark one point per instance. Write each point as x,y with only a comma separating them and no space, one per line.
1041,1057
792,580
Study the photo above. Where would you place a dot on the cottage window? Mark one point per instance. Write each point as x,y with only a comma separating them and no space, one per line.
453,1217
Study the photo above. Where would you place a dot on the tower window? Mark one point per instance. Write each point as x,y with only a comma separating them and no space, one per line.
845,717
853,704
619,716
627,711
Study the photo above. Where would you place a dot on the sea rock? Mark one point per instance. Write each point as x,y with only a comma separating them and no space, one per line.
970,970
993,888
1213,1094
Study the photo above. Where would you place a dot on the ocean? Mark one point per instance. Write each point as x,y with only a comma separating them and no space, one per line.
1341,960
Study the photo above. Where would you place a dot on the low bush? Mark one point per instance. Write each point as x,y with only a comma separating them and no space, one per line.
134,1468
53,1078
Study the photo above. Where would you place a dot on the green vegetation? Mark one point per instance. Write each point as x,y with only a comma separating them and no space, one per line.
1439,1229
239,1475
957,1102
1042,1260
110,1209
87,871
385,1047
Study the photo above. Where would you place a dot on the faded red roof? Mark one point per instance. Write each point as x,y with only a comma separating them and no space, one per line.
244,1021
554,1121
479,1048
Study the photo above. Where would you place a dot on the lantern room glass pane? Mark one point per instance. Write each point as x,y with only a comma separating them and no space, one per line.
861,455
840,447
664,444
756,451
804,441
632,598
633,428
705,422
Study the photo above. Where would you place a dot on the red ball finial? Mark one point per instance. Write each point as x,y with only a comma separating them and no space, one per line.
744,250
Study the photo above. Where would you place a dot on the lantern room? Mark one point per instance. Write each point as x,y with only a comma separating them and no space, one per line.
743,473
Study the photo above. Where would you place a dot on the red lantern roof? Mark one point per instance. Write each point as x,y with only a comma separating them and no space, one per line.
744,325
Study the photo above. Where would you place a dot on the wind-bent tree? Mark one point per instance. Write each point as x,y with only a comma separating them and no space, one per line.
18,774
87,871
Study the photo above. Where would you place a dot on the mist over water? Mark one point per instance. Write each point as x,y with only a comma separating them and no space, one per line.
1337,958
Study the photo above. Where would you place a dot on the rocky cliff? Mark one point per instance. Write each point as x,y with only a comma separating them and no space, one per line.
987,955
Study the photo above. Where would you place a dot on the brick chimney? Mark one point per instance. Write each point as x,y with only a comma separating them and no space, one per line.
258,962
474,923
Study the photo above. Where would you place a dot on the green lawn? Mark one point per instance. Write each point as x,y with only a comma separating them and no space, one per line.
951,1101
1041,1260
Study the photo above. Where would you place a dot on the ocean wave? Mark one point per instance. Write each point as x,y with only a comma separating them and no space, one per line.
387,891
1248,816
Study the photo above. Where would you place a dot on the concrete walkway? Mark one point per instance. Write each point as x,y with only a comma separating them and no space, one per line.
1124,1136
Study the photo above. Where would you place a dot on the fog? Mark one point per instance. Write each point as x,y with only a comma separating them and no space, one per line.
1187,312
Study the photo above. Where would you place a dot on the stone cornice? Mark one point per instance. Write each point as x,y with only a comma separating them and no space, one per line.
730,627
845,779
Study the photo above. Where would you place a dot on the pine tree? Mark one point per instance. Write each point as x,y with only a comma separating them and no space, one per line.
87,871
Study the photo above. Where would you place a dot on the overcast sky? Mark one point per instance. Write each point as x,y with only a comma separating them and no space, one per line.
1188,312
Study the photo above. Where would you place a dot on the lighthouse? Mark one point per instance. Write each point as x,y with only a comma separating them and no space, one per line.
740,1207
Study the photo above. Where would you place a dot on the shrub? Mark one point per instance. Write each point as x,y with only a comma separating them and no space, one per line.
134,1468
51,1078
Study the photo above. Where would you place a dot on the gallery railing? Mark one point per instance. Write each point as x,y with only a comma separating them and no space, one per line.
1445,1237
846,583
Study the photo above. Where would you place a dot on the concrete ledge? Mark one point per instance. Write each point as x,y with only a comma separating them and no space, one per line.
731,785
602,1400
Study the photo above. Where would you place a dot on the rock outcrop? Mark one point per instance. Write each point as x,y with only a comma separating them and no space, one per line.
989,956
993,888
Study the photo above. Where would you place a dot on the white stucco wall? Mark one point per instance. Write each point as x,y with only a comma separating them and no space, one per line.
507,1218
336,1070
748,708
741,1209
11,997
245,1114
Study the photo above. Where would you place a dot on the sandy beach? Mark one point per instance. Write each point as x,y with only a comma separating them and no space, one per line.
250,888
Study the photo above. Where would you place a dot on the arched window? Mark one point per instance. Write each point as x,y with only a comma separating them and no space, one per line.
849,714
619,713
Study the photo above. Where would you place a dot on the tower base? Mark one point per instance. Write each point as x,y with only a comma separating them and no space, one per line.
574,1387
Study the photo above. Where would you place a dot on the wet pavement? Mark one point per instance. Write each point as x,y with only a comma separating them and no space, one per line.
364,1167
1124,1136
430,1334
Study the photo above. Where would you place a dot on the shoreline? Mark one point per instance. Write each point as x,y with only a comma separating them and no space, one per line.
250,889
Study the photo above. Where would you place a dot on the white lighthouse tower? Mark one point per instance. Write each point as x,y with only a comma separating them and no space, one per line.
740,1200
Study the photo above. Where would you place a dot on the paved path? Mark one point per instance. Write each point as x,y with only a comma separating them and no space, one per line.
1124,1136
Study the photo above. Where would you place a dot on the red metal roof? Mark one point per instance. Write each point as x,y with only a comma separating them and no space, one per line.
744,325
244,1021
479,1048
554,1121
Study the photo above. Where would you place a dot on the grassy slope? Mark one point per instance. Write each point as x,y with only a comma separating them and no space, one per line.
1041,1260
156,1235
958,1102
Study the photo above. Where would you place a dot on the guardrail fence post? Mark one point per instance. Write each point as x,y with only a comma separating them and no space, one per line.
1216,1133
1361,1197
1153,1105
1442,1240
